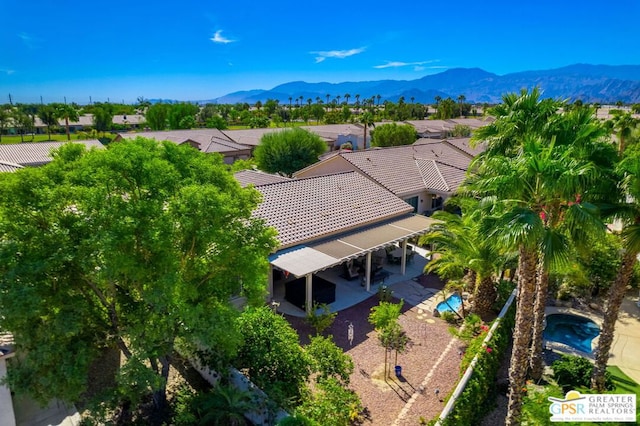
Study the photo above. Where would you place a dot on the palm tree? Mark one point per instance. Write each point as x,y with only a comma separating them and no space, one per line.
49,117
223,405
623,124
461,100
357,99
378,99
629,169
338,98
465,251
290,99
366,119
69,113
346,98
5,118
328,96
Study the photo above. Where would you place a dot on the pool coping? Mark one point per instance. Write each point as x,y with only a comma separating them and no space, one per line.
561,348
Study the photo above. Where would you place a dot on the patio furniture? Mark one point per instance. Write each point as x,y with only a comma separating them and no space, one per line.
351,271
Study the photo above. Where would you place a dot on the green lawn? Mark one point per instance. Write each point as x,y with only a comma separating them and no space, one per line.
6,139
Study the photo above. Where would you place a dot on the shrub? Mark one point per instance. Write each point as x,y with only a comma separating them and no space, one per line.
572,371
449,317
321,317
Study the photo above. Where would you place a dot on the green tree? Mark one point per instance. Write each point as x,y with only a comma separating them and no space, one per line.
102,119
217,122
157,116
288,151
465,250
623,124
332,405
5,118
328,360
272,356
138,247
68,113
393,134
23,123
629,213
182,115
47,114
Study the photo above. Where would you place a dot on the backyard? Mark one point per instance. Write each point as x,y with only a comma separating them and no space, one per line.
431,363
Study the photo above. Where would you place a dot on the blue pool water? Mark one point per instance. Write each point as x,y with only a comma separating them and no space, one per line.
572,330
454,302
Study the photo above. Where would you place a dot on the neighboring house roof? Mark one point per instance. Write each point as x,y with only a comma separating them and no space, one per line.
407,169
205,140
256,178
303,210
331,132
37,153
462,144
249,137
128,119
6,166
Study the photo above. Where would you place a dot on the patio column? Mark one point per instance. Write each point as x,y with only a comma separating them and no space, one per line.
270,284
308,304
403,261
367,272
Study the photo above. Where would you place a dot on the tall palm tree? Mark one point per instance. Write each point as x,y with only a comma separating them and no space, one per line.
623,124
629,169
461,100
378,99
366,119
465,251
68,113
525,189
346,98
49,118
357,96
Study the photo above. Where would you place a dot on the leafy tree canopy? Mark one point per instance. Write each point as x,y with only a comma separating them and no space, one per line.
393,134
140,246
288,151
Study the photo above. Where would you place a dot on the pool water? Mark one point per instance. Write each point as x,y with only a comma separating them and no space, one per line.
571,330
452,304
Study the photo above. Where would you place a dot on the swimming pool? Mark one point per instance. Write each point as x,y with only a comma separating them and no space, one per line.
452,304
571,330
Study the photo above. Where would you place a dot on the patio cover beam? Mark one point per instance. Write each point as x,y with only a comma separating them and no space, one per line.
302,260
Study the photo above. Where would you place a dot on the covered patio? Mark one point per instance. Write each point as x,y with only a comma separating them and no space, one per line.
381,252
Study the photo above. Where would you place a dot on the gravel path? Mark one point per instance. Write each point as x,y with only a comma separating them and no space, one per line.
385,400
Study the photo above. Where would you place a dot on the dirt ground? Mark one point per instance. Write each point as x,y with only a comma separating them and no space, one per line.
431,363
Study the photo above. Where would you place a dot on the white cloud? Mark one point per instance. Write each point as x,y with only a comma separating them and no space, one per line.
6,71
219,38
30,41
418,65
340,54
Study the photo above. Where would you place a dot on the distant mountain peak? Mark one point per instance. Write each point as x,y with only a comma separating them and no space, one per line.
589,83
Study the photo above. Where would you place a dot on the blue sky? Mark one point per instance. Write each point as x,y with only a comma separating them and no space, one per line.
195,50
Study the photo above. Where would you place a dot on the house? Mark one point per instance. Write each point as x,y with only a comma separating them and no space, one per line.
204,140
6,166
34,154
338,134
440,129
252,137
329,220
256,178
423,174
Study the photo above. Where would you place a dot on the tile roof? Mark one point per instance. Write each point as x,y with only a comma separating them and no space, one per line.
404,169
257,178
205,140
37,153
463,144
249,137
307,209
6,166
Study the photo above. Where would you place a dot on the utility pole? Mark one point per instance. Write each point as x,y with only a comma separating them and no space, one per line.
65,100
41,100
90,101
10,100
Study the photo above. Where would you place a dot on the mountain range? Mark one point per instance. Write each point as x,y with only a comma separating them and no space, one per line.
605,84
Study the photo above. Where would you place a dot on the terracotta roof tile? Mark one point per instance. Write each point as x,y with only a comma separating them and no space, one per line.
37,153
257,178
398,170
307,209
206,140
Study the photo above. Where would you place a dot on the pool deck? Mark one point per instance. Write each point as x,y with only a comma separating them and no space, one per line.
626,342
